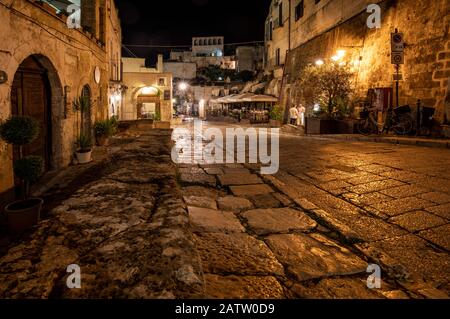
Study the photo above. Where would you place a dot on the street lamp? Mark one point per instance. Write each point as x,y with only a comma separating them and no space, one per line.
319,62
183,86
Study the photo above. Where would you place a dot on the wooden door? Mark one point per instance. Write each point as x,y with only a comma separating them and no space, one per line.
30,96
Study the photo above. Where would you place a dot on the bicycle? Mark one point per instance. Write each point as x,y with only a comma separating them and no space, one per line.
397,120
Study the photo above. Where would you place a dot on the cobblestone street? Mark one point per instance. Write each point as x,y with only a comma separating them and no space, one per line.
141,227
311,230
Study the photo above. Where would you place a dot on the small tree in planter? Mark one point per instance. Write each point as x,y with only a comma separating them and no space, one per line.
276,116
84,143
25,213
328,85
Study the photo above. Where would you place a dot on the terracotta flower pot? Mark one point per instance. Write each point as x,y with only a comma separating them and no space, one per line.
24,214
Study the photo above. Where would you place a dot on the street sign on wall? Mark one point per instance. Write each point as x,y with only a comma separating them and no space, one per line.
398,58
397,48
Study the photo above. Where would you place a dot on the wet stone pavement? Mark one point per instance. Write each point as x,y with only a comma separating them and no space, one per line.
128,230
146,228
311,230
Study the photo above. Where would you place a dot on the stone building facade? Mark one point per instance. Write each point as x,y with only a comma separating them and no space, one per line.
208,46
148,91
321,28
47,65
249,58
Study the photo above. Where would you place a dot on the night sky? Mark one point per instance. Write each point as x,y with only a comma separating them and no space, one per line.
175,22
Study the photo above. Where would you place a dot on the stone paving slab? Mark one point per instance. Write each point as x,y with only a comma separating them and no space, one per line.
242,287
239,179
234,204
410,259
367,199
202,192
335,288
251,190
200,201
265,201
214,171
439,236
209,220
404,191
282,220
203,179
402,205
441,210
314,256
374,186
436,197
417,221
238,254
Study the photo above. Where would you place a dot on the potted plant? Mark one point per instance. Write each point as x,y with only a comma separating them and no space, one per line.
104,130
276,116
84,143
25,213
84,151
158,124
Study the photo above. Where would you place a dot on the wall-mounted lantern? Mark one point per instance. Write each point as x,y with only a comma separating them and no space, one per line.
3,77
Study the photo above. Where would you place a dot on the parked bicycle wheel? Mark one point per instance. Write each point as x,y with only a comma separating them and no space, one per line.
403,126
367,127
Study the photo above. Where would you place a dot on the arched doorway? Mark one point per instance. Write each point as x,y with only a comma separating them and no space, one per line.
86,122
31,96
149,103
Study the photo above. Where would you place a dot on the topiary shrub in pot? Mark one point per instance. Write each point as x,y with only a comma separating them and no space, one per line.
25,213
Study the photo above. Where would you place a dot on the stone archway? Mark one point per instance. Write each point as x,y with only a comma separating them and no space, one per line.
37,92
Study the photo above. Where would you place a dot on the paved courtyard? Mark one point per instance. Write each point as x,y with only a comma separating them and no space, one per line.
142,227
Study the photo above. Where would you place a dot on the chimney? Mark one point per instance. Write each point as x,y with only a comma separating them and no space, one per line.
160,64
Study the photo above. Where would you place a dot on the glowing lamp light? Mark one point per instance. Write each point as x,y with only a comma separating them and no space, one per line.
316,107
335,58
150,90
319,62
341,53
174,100
183,86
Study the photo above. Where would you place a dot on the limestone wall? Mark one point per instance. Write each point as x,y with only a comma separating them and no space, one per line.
69,55
426,71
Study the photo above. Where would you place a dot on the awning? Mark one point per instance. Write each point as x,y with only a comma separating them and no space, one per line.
245,97
240,97
261,98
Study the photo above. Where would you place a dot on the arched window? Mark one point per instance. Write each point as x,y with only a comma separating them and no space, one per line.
210,42
220,42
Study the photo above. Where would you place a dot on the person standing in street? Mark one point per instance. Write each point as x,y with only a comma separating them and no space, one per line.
293,112
301,115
